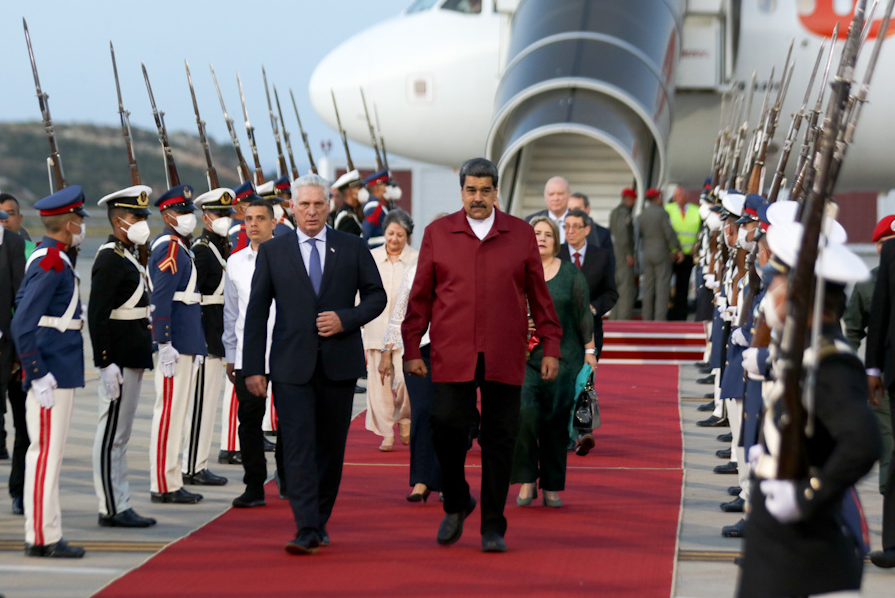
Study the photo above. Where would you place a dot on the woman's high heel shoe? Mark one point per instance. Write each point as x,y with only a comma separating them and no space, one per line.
417,496
524,502
552,502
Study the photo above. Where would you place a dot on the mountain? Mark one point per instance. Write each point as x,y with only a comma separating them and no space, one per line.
94,157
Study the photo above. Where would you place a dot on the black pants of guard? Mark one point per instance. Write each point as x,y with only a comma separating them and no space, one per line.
20,447
251,437
424,468
451,413
681,271
889,496
313,419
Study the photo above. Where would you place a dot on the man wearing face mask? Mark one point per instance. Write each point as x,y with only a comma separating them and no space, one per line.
46,330
177,328
118,318
210,252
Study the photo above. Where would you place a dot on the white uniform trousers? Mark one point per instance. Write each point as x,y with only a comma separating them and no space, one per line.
229,418
737,452
719,403
707,326
116,420
203,407
172,397
387,403
47,429
269,423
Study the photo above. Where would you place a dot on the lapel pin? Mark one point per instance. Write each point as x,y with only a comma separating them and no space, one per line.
333,249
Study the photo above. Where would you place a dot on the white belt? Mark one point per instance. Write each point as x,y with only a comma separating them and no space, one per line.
212,300
57,323
187,298
130,313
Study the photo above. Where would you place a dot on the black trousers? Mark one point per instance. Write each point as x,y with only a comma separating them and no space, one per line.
424,468
313,419
451,414
251,437
17,402
889,496
681,272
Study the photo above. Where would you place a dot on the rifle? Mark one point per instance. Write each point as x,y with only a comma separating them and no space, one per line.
342,133
250,132
242,168
304,136
281,159
170,168
54,161
381,138
372,132
210,173
276,97
793,462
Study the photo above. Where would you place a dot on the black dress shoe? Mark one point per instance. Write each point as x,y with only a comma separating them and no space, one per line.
57,550
710,406
723,454
247,500
709,395
585,444
737,530
204,478
701,364
127,518
729,467
883,558
269,446
451,527
734,490
710,379
306,542
358,389
230,457
725,437
493,542
734,506
324,537
705,370
18,505
183,497
712,422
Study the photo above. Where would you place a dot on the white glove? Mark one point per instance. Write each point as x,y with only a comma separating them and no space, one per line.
714,284
43,390
111,379
709,280
200,359
750,362
781,500
732,311
738,338
168,357
756,452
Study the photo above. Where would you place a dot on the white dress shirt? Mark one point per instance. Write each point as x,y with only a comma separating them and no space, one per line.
237,288
305,247
482,227
559,220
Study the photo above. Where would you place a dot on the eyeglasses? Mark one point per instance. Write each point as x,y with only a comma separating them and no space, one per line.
572,227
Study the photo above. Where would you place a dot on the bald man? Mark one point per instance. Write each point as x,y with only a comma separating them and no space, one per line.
556,197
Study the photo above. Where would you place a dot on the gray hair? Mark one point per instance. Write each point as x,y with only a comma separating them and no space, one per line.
401,218
311,180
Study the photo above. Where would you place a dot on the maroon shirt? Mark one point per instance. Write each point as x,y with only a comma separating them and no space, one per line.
473,293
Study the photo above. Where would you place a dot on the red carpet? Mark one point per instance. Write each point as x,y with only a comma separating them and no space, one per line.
615,536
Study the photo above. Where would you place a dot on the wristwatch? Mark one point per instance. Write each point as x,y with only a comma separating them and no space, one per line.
592,351
384,349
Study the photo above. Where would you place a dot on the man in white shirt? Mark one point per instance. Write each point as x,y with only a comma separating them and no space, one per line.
260,224
556,196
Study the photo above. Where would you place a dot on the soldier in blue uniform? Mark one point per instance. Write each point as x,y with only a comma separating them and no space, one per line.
270,193
46,330
210,252
376,208
177,328
118,318
242,196
282,210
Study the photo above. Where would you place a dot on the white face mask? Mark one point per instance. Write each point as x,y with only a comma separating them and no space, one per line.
713,221
742,234
769,308
392,193
278,213
221,226
727,238
138,232
76,239
186,223
363,195
289,209
704,210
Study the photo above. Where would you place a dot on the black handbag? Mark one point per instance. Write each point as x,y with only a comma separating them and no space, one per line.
587,408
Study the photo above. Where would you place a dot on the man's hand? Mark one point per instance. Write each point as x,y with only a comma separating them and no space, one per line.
876,390
677,257
231,373
630,260
549,368
168,357
781,500
385,366
328,323
111,379
257,385
415,367
43,388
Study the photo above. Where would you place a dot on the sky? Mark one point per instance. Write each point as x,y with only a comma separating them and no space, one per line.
71,48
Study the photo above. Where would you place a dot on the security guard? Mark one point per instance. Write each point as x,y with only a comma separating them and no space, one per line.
210,252
621,227
118,318
242,196
686,222
348,217
177,328
46,329
376,207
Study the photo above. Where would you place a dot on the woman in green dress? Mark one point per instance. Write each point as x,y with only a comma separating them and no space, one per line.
543,437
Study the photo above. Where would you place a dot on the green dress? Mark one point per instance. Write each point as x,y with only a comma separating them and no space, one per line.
543,433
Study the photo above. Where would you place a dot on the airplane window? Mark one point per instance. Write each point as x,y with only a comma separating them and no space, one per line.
420,6
465,6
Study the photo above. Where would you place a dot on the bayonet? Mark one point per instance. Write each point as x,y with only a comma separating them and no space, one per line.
342,132
286,139
54,161
304,136
372,132
281,159
210,173
250,132
170,167
242,167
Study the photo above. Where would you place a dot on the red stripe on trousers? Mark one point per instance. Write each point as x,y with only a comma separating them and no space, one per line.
164,426
40,476
232,422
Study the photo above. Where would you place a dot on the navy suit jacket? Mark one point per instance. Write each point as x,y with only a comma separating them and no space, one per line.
599,271
280,276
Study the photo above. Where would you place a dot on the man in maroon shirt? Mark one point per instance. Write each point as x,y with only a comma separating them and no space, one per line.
475,271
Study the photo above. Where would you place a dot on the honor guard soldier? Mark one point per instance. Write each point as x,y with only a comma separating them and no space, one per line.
210,253
375,208
349,216
269,193
177,328
46,330
283,209
242,196
118,318
621,227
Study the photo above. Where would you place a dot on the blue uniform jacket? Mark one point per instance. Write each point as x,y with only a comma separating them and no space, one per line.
173,321
373,226
752,401
46,291
733,385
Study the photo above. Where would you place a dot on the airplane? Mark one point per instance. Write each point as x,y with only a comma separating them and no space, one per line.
608,94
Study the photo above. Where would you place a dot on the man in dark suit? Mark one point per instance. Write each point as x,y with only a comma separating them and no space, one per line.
316,354
599,236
